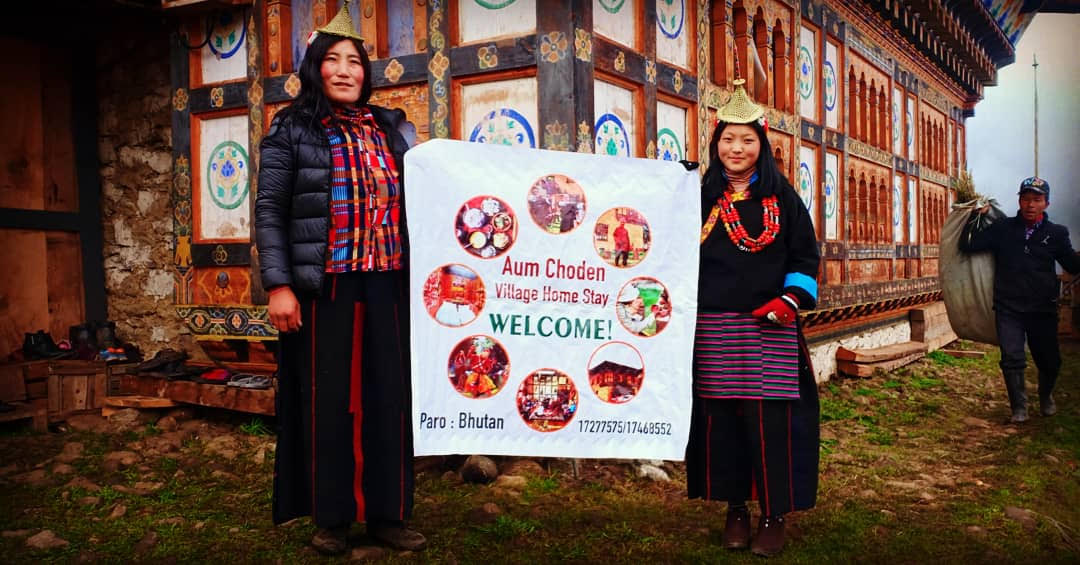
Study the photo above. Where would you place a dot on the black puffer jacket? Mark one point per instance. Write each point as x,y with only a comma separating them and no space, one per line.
292,205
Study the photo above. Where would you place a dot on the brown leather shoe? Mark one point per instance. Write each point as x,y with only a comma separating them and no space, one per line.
331,541
769,539
398,536
736,529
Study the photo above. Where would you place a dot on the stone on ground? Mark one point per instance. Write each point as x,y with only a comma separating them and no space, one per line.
479,469
1025,517
118,511
45,539
511,482
147,543
62,469
116,460
167,424
368,553
526,467
654,473
87,422
71,451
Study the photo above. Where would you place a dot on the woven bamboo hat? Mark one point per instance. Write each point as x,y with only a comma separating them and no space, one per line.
740,109
341,26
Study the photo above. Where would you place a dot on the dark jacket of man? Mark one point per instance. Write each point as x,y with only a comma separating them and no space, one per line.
1024,276
292,204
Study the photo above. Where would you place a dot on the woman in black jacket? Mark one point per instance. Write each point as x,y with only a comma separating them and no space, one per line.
754,423
330,231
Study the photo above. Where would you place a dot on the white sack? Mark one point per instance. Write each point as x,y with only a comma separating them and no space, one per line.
967,279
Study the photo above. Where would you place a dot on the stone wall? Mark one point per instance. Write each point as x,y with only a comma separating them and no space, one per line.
135,150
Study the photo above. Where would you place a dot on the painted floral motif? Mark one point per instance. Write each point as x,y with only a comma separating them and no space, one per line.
393,71
910,132
217,97
669,17
494,4
676,82
180,100
830,194
438,65
611,137
182,217
487,57
556,136
806,71
668,146
806,184
650,71
650,150
227,37
582,45
182,257
829,77
896,124
292,85
553,46
620,62
504,126
253,49
612,6
255,94
584,136
227,175
182,177
220,255
896,206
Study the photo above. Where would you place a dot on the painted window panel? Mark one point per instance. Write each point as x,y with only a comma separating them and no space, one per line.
670,132
479,20
909,127
673,29
832,196
222,211
807,70
399,28
613,107
614,19
224,57
897,122
807,179
912,213
307,15
898,208
502,112
832,83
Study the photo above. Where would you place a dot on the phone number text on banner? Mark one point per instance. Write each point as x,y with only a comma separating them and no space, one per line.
553,299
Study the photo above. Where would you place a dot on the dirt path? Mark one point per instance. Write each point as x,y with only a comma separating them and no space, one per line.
918,465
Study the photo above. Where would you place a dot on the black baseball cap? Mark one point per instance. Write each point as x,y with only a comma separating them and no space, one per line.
1036,185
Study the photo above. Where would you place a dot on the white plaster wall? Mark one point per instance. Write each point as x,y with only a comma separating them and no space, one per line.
823,355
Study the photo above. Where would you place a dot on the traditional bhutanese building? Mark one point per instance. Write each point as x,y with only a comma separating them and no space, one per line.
867,102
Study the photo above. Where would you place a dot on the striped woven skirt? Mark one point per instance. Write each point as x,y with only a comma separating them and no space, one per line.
739,356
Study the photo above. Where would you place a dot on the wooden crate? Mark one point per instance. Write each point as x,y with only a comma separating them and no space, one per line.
74,387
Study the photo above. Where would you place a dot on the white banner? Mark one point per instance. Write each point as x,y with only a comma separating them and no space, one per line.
553,302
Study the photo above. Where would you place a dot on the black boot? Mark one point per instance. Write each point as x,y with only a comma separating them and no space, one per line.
40,345
1046,390
737,527
1014,384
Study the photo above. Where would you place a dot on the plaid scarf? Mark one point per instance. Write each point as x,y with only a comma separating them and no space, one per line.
365,195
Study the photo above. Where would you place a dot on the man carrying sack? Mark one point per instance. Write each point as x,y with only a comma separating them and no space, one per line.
1026,290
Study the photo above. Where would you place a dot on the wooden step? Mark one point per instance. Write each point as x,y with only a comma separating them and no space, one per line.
37,415
854,369
879,354
138,401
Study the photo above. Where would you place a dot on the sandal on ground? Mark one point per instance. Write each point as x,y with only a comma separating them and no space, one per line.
398,536
250,381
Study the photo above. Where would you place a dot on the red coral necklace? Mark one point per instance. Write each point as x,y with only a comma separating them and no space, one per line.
725,210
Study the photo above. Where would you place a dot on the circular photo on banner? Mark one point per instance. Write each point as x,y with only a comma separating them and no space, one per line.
556,203
616,372
621,237
547,400
486,227
454,295
643,306
478,367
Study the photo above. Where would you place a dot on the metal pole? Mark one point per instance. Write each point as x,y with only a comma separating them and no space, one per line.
1035,81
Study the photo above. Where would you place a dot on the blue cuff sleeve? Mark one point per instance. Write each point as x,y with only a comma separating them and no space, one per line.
802,281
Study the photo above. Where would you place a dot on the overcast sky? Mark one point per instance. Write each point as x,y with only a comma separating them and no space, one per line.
1000,137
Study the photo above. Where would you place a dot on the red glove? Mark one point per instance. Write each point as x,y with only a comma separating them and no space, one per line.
780,310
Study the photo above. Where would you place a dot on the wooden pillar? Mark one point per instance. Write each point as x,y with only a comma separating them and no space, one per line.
555,73
438,69
582,134
255,134
649,102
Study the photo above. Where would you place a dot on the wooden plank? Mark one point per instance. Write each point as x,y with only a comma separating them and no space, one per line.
64,282
23,284
26,411
868,369
138,401
37,389
12,383
878,354
929,311
74,393
554,77
75,367
512,53
21,146
55,391
212,395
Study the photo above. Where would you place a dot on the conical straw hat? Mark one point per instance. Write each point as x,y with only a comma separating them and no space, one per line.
740,109
341,25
